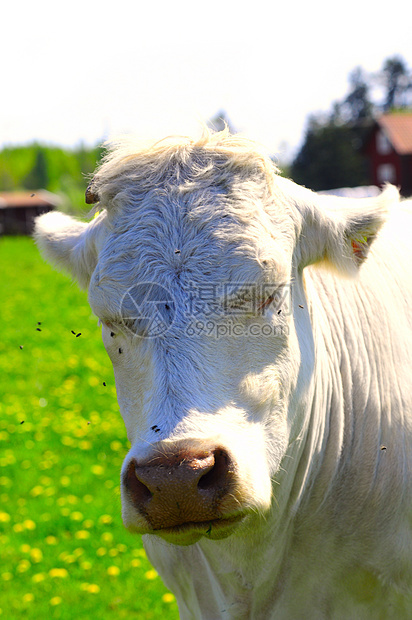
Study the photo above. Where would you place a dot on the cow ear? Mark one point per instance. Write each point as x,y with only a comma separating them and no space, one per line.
340,231
69,244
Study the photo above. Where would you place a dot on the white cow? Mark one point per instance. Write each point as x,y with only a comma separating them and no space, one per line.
264,377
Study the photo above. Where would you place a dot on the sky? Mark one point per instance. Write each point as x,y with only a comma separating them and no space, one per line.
85,71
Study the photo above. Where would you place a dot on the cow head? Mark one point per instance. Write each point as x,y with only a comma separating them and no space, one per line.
194,265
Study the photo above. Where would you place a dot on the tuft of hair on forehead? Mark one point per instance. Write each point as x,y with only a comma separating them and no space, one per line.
178,160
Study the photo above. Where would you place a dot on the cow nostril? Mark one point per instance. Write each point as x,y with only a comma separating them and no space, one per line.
218,473
137,490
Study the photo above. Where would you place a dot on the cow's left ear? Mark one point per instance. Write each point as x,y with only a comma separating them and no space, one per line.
69,244
340,231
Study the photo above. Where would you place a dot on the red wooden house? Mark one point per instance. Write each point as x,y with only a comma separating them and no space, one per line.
389,151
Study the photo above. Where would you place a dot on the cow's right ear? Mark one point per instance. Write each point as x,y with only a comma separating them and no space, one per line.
337,231
69,244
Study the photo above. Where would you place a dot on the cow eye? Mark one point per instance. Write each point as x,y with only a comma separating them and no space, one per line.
277,300
254,301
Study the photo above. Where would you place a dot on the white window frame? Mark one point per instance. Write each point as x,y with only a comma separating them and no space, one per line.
386,173
383,146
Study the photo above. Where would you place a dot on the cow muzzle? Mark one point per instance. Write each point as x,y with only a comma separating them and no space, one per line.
184,487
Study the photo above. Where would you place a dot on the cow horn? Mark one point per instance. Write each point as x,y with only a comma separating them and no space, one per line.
91,196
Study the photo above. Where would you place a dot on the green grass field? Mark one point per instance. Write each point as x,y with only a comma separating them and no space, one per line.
64,552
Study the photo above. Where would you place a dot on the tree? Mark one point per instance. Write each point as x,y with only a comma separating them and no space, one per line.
329,158
38,177
357,105
396,79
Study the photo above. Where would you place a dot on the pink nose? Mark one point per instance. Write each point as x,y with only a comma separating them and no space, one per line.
183,483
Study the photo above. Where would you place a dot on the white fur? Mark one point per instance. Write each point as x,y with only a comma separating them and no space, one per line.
317,416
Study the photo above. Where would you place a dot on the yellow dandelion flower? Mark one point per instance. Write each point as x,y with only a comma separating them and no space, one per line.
86,565
58,572
76,516
85,444
65,481
11,459
116,446
141,553
46,464
70,559
82,535
38,577
67,440
29,524
36,555
69,384
56,600
97,470
88,499
135,563
51,540
93,381
101,551
78,552
121,547
25,548
4,517
36,491
113,552
7,576
88,523
106,537
23,566
93,588
79,432
151,574
113,571
28,598
105,519
168,597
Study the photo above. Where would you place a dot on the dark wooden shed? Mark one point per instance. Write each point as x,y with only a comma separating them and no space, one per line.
18,210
